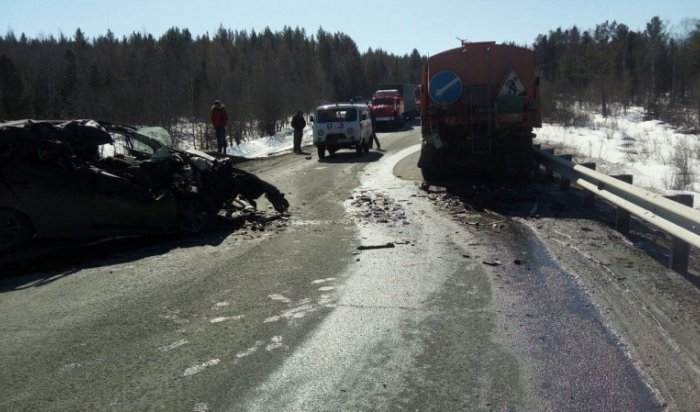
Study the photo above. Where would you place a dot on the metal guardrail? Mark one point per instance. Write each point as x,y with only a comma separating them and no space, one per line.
680,221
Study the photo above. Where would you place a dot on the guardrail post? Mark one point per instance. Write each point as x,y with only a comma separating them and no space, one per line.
622,221
564,183
589,197
679,248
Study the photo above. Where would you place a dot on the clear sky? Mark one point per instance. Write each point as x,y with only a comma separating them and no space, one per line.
398,27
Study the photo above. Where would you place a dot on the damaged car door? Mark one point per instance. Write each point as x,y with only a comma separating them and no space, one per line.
43,182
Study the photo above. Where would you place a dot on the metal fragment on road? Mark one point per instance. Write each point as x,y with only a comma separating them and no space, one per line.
388,245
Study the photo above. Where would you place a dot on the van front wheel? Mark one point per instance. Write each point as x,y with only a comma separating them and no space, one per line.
321,152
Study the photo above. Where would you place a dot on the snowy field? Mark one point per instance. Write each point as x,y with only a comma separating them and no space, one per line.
660,159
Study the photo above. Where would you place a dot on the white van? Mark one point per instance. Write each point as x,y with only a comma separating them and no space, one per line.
342,125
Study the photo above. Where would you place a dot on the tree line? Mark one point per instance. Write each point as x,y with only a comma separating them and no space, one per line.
611,64
264,77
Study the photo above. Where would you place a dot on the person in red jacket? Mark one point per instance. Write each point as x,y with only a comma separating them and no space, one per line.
219,119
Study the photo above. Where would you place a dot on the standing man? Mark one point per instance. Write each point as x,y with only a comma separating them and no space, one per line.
298,124
374,138
219,119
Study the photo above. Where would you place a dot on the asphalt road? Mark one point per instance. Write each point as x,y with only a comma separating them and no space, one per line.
366,297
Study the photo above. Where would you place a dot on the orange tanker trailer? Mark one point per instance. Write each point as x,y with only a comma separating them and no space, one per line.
479,104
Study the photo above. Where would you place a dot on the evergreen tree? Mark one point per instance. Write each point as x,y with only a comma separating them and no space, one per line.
15,98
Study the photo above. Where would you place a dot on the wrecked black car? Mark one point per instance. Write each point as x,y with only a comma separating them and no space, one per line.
83,178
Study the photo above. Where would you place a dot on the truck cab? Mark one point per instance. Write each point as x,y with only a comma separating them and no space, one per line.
342,125
388,107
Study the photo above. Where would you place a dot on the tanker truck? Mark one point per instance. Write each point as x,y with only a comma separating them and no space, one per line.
479,104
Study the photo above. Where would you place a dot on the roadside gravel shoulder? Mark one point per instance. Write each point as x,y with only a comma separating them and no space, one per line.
654,311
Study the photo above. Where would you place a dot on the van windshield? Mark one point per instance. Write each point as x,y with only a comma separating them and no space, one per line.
382,101
336,115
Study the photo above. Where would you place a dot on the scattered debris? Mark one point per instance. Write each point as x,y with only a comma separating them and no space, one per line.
492,262
388,245
376,207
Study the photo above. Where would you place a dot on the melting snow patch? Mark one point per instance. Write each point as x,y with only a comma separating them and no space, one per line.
276,344
201,407
279,298
173,345
298,312
70,366
174,315
326,280
272,319
325,300
326,288
219,304
196,369
251,350
225,318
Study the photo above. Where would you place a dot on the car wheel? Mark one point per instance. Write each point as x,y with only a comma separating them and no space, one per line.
358,149
321,152
15,229
194,214
365,147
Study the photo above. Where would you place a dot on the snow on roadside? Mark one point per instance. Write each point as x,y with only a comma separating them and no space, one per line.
649,150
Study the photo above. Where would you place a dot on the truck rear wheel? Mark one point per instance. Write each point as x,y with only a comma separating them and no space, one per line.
321,151
430,164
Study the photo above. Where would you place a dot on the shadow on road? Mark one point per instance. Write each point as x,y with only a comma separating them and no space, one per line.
407,126
47,261
348,156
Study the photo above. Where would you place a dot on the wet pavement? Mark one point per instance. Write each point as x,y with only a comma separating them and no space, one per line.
448,319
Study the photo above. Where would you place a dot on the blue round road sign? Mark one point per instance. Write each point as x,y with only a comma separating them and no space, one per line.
445,87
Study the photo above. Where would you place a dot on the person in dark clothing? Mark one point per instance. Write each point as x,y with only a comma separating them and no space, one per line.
298,124
374,138
219,119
